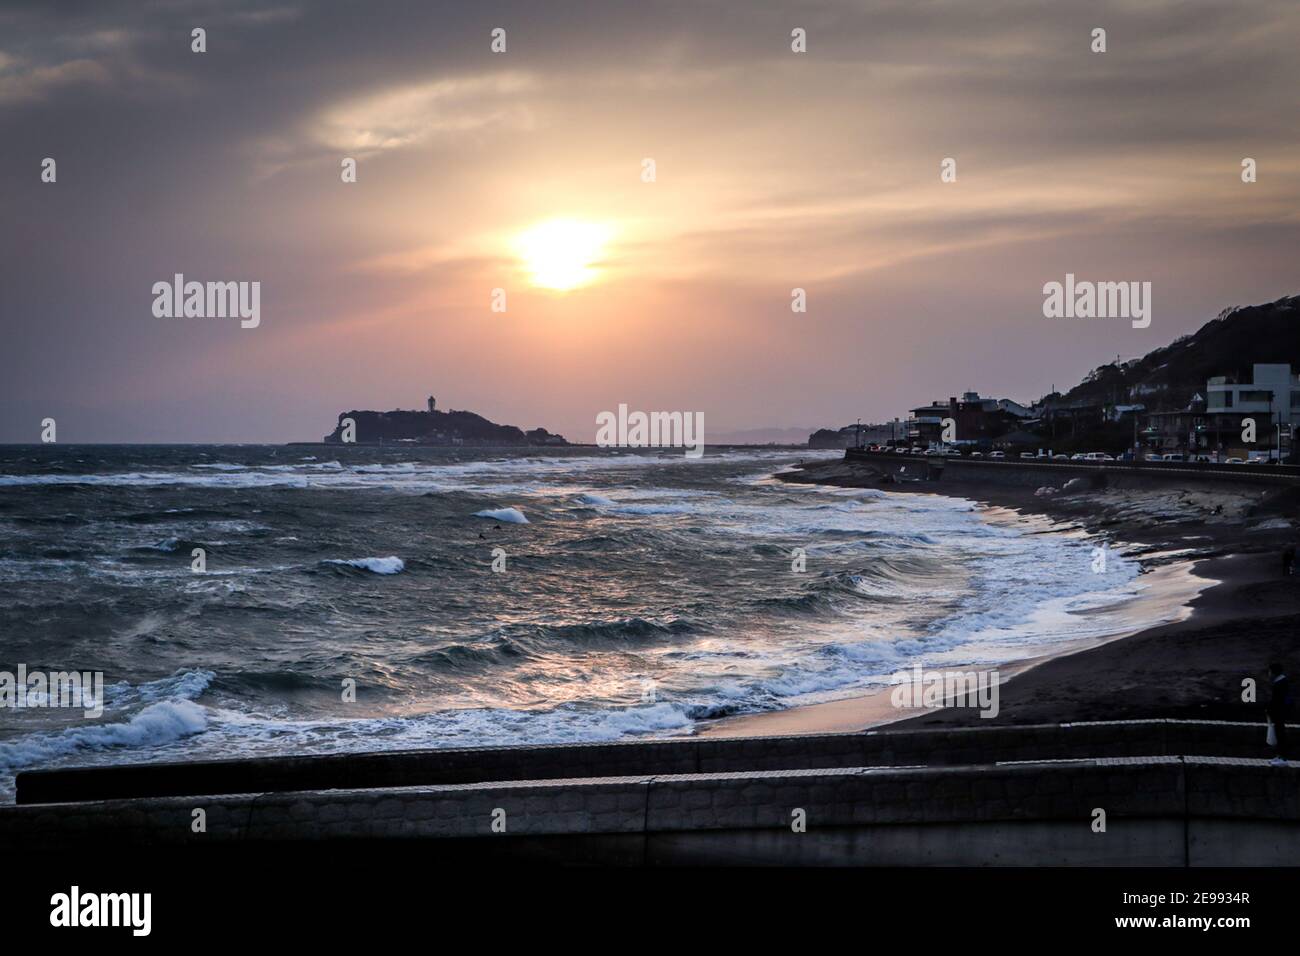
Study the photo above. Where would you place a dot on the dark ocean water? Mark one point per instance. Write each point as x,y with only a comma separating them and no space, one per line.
641,593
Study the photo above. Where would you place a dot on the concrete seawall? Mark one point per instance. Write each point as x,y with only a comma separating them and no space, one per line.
970,802
1159,812
881,748
1014,471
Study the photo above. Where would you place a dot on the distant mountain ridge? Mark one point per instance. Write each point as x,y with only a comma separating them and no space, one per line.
845,437
1168,377
771,435
1165,379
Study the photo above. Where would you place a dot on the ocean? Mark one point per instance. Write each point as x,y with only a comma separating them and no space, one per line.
488,597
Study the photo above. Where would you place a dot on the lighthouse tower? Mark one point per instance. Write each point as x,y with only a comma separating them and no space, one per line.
431,403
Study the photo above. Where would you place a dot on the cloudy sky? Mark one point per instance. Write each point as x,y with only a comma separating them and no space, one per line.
773,170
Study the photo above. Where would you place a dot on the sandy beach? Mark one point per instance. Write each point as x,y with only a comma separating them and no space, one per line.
1212,573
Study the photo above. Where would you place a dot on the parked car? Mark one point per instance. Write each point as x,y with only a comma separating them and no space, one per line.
1061,457
1028,455
1234,461
997,454
977,454
1098,456
1077,456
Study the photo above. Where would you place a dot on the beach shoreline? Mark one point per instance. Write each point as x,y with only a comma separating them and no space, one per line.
1212,574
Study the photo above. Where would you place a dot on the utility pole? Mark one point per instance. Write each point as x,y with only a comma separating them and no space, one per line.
1274,398
1051,414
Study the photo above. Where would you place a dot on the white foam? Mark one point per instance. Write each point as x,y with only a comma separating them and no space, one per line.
157,724
238,733
510,515
411,476
389,565
997,594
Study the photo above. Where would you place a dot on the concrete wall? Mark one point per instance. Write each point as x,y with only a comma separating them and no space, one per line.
1161,811
880,748
1114,474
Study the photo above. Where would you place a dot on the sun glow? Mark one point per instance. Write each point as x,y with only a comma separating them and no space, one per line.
561,254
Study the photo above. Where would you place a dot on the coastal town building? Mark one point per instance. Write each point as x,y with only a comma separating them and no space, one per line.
880,434
1203,396
977,420
1179,431
1117,413
1214,424
1272,394
1014,408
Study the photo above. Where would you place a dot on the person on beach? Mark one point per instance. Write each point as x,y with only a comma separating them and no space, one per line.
1288,560
1278,709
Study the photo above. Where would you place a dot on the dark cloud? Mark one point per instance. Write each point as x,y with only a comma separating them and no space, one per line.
773,167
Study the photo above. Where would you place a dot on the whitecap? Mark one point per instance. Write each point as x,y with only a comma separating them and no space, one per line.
511,515
156,724
389,565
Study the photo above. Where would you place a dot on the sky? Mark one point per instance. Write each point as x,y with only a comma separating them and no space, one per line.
524,170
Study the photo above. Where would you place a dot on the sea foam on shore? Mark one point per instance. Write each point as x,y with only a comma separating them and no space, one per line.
649,595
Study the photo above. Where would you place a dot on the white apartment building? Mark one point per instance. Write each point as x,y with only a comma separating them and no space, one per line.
1273,391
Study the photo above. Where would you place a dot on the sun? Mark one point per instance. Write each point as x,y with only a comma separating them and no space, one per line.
561,254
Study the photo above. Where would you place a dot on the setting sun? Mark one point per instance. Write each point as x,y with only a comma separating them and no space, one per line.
560,253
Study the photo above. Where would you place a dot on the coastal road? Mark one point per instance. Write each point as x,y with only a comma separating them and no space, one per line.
1250,473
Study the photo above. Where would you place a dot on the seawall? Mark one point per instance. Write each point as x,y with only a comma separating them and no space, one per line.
1173,793
1015,471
